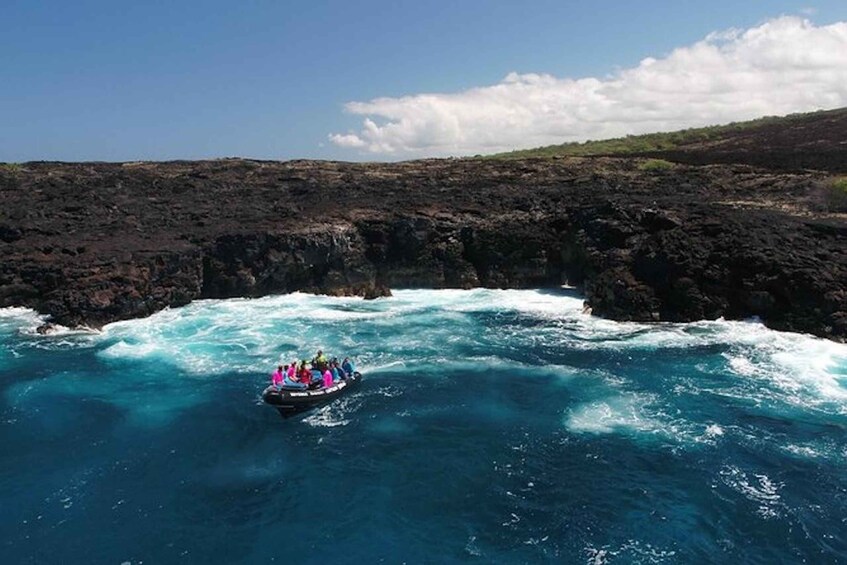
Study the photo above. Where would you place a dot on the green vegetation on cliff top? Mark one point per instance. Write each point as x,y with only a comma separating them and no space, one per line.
653,142
835,195
654,165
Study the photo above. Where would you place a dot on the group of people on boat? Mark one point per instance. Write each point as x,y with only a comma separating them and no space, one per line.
320,372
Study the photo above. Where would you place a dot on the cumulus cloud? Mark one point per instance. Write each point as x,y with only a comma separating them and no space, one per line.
782,66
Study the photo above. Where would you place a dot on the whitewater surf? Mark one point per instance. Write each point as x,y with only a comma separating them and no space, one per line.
502,425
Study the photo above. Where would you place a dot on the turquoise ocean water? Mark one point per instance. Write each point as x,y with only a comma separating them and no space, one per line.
491,427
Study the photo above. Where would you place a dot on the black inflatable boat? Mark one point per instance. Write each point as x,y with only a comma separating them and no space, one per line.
291,401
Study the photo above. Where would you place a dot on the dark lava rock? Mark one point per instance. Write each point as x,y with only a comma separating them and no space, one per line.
377,291
90,243
9,234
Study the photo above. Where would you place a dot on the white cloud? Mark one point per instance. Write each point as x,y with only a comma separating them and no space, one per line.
785,65
350,140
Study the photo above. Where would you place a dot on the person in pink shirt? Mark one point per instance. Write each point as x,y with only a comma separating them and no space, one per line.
292,370
290,380
277,377
327,379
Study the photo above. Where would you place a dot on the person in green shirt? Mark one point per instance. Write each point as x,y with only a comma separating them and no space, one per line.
319,362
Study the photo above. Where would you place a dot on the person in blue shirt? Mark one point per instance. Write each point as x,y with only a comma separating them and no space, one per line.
348,367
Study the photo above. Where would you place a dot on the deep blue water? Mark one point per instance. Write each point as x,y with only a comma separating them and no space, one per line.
492,426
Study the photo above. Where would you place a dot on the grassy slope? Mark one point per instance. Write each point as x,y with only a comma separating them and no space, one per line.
656,142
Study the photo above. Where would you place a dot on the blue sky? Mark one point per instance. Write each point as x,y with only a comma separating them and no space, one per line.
166,80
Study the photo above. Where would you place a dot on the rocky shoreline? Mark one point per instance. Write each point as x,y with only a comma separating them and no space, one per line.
91,243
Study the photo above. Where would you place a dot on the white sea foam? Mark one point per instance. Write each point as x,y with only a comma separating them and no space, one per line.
332,415
827,450
259,326
126,350
471,547
631,413
633,551
19,320
713,430
804,451
13,312
552,304
642,415
795,369
756,487
434,332
25,321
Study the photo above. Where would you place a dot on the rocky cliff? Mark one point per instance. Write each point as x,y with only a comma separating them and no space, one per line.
91,243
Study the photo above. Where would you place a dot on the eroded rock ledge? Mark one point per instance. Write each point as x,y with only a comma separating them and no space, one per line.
92,243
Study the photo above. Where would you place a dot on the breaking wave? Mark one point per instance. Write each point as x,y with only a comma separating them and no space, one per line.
553,434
